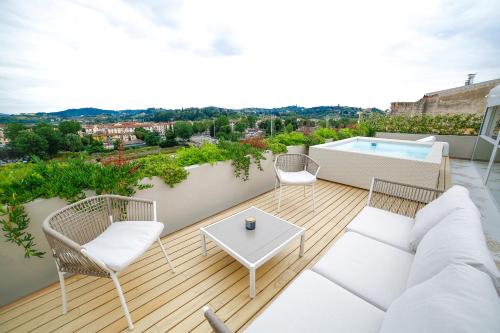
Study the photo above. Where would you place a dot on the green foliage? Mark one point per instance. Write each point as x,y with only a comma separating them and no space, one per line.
152,138
450,124
12,130
313,139
241,156
163,166
345,133
29,143
53,138
140,133
289,139
327,133
72,142
95,146
14,222
183,129
276,147
206,153
241,125
69,127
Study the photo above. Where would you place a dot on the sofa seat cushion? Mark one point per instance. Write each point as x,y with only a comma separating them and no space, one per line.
434,212
296,178
372,270
312,303
123,242
459,238
386,227
460,298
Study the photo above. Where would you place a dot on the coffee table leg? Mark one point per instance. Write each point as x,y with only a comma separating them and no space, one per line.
252,282
301,253
203,245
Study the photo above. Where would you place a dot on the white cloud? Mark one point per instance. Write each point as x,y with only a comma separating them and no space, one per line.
128,54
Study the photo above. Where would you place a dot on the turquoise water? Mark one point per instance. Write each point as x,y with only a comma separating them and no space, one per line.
387,149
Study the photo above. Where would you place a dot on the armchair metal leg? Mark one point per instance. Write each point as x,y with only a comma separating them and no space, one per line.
122,301
63,292
275,186
166,256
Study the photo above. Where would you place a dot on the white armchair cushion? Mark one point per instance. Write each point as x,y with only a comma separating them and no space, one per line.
430,215
296,178
458,299
386,227
123,242
372,270
312,303
459,238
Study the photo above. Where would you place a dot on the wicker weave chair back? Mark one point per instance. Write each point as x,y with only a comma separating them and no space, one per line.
291,162
83,221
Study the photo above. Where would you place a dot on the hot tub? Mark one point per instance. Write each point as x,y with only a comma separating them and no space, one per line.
355,161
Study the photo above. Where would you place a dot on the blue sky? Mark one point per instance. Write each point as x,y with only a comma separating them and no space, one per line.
120,54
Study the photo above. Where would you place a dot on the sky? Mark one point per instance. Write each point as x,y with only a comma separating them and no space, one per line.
124,54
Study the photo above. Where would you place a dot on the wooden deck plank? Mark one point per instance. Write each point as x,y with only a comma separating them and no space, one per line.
160,301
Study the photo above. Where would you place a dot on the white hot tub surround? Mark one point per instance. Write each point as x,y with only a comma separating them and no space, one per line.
357,168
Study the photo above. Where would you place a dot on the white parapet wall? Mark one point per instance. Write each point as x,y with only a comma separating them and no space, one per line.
207,190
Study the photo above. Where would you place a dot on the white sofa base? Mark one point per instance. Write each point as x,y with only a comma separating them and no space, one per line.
312,303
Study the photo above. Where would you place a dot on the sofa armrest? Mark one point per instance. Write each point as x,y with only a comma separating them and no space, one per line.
400,198
215,322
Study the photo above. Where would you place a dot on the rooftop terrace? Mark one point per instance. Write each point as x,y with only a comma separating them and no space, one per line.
160,301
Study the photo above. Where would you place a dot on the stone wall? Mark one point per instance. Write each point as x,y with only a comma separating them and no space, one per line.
465,99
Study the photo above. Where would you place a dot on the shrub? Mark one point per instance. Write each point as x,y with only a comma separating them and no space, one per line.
345,133
206,153
327,133
163,166
451,124
289,139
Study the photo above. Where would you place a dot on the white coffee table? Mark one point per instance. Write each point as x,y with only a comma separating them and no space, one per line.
252,248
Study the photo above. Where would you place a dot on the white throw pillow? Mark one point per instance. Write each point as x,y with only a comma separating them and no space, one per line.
459,238
430,215
458,299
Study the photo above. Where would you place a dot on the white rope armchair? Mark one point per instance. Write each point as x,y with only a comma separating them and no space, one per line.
295,170
101,236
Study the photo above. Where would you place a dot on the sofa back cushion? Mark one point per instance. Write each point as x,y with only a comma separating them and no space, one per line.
458,299
459,238
430,215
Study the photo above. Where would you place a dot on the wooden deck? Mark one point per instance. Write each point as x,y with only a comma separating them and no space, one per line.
160,301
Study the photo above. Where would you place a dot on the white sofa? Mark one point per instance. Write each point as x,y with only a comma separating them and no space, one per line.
426,271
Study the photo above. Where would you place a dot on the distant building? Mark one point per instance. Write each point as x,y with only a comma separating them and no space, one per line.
3,139
469,98
111,132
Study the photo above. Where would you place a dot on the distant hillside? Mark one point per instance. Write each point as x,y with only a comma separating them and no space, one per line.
160,114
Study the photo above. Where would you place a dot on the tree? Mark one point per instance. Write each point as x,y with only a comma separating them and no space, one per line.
69,127
140,133
241,125
251,121
183,129
54,138
95,146
199,126
29,143
152,138
72,142
289,128
116,144
221,125
11,130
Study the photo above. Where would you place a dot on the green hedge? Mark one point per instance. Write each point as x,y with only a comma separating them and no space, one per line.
452,124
